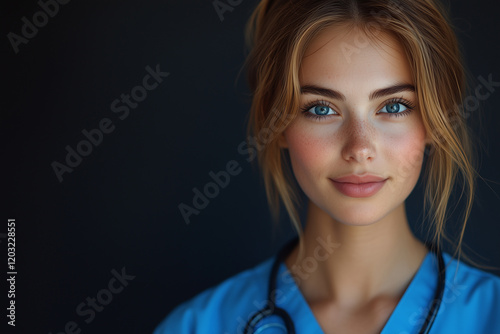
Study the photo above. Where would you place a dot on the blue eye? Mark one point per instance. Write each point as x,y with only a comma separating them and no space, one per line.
321,110
394,108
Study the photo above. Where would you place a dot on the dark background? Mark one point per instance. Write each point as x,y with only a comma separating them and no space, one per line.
119,207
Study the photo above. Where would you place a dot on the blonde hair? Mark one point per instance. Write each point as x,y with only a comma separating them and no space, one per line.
279,32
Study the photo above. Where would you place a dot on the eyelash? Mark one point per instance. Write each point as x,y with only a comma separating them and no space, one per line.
409,108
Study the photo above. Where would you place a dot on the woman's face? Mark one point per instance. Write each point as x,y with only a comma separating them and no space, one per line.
357,145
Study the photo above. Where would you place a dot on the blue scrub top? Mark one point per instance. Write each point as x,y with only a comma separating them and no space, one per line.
470,304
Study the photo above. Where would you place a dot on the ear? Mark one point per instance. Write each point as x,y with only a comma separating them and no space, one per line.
429,148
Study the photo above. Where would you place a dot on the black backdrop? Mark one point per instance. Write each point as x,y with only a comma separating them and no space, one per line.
116,213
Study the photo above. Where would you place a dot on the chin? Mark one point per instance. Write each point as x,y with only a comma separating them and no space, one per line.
358,216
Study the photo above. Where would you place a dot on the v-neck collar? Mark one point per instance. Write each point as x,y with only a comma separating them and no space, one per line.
407,317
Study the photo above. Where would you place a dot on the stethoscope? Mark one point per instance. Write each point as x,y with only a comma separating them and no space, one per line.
271,309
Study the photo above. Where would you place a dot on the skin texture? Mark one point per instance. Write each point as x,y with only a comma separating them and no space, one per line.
358,286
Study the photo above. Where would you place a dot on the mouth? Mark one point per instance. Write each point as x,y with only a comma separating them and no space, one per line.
359,186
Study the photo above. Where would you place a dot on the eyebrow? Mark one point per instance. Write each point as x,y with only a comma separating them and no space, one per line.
333,94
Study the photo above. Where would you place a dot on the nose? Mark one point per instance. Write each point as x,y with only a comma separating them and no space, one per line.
359,143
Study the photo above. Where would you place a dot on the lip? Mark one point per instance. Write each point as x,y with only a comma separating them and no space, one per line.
359,185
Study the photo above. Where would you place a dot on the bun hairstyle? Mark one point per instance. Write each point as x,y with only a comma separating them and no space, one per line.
279,32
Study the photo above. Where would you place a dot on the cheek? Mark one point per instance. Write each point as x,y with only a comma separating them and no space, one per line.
311,151
406,153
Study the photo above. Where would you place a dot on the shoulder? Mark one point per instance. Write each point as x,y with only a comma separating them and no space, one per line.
471,298
222,308
473,281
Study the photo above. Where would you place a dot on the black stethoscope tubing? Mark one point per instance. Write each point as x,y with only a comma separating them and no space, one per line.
271,308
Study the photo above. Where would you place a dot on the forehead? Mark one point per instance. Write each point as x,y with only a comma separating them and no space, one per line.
346,56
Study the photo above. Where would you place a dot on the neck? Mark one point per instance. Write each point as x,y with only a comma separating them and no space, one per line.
360,264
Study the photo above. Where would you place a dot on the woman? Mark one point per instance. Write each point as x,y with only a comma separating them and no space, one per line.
351,97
